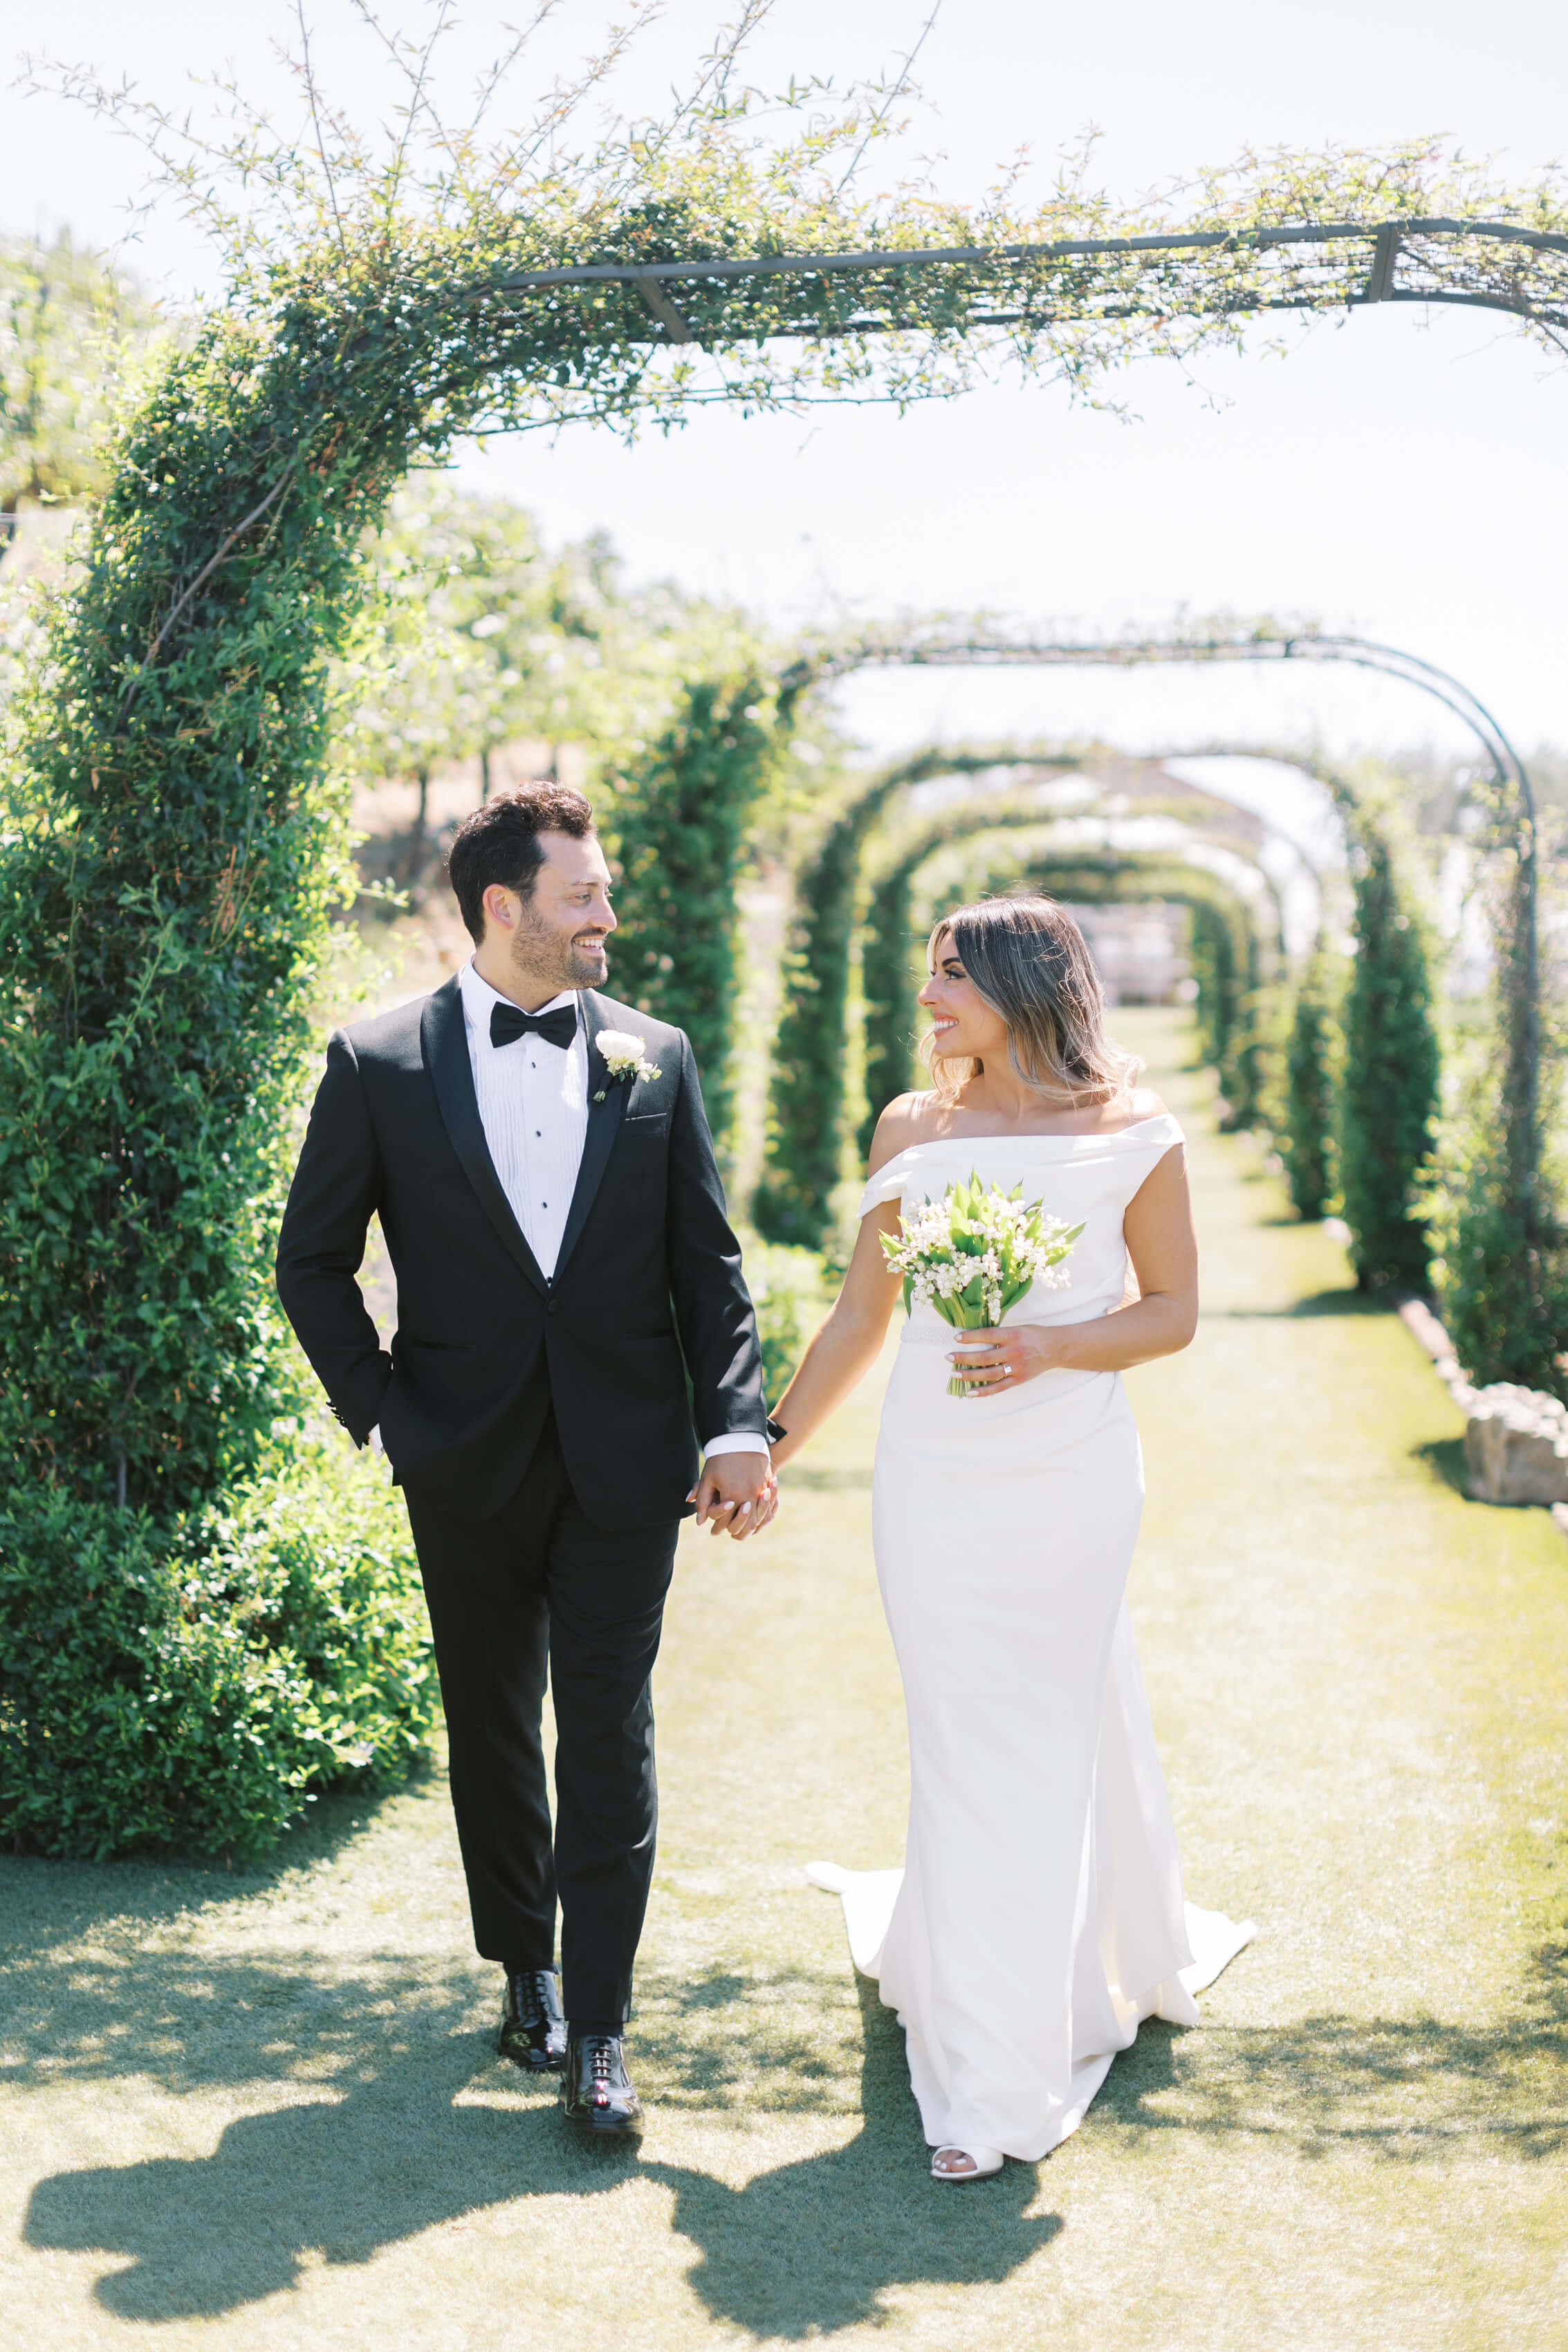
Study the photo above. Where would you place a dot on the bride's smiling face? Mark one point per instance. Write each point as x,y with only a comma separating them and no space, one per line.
963,1023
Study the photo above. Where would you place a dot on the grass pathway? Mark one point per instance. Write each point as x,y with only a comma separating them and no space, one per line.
259,2109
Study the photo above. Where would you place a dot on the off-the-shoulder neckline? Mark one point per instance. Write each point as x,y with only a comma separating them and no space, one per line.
1001,1135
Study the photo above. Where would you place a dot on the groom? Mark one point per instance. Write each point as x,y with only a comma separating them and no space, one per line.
570,1297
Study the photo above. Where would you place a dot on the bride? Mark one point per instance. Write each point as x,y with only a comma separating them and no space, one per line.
1038,1916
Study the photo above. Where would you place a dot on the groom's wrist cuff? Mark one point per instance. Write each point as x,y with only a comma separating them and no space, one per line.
743,1440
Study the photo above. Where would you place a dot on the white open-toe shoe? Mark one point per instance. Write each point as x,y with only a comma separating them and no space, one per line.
978,2163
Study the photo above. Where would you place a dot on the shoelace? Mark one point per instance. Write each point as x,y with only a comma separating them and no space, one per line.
532,2006
602,2056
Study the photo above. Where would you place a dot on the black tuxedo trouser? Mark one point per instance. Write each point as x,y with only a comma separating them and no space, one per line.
537,1590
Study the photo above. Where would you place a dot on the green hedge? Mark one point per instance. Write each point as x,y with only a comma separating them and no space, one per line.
1389,1093
679,831
186,1685
1308,1142
806,1082
1503,1293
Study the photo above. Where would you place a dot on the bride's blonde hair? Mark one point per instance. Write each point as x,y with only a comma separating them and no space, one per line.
1029,960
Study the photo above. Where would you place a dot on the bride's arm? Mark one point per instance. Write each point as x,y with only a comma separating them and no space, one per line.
1160,1322
847,1343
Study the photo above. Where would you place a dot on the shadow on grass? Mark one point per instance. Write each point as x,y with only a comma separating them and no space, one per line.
1444,1457
1321,1303
44,1899
396,2148
813,2247
397,2118
1407,2090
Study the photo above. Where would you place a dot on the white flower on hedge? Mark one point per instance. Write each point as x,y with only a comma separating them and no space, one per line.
623,1056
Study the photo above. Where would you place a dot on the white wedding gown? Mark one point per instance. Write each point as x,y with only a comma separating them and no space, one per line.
1038,1916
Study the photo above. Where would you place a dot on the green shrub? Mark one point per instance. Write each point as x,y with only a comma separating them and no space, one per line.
185,1684
806,1083
1503,1291
790,1291
1307,1141
1390,1098
680,837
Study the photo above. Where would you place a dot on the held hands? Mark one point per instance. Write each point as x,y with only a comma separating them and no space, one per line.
736,1495
990,1361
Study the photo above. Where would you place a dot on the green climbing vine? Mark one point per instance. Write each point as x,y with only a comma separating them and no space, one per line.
174,836
1308,1142
679,834
807,1081
889,962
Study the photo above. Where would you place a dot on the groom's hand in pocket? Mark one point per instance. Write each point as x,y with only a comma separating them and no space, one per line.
736,1495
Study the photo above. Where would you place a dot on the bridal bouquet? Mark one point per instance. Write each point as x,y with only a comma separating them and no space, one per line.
977,1252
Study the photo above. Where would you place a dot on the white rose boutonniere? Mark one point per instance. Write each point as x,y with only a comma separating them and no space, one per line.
624,1058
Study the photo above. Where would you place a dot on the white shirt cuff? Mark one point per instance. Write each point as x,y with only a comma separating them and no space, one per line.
743,1441
374,1439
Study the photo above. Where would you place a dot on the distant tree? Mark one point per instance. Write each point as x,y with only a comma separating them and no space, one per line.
418,684
1389,1099
1307,1144
65,324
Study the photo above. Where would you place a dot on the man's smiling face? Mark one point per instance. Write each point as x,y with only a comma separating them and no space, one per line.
554,939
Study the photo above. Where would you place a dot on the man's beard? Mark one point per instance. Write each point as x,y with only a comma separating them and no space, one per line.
542,953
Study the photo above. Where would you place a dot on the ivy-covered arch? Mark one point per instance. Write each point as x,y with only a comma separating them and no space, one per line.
174,753
1388,1092
805,1139
176,834
1230,969
806,1083
1515,1226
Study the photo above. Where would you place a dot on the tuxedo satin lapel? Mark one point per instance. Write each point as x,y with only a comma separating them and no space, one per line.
604,1120
445,1047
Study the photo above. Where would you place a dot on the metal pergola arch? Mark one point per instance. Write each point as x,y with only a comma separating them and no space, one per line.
1085,864
1500,265
1491,265
802,1163
1520,1102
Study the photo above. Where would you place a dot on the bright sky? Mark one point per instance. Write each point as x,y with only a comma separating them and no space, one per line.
1402,476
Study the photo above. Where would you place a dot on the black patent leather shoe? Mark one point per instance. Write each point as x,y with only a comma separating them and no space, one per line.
533,2024
599,2097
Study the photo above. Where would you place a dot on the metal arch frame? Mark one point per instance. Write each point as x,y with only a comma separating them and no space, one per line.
1406,262
1080,862
1130,653
1521,1091
799,1108
969,820
1389,240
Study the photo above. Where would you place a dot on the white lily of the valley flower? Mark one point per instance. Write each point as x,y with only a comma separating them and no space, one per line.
623,1056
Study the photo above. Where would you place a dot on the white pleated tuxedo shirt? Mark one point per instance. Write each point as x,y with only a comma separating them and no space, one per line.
533,1107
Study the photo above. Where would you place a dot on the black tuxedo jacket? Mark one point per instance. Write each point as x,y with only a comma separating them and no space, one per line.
647,1293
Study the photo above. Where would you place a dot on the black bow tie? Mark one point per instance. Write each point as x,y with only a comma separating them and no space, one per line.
507,1023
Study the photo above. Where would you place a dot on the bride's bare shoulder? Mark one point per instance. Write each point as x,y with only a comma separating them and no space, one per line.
1146,1104
908,1119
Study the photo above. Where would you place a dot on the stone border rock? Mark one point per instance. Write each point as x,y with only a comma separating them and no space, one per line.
1516,1440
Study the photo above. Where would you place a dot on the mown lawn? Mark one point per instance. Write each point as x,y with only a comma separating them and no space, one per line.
261,2108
